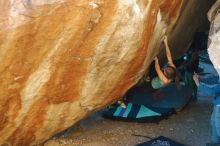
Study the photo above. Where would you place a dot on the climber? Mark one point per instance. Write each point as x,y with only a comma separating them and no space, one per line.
167,74
161,77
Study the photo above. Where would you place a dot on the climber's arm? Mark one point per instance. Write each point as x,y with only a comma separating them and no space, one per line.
160,73
168,53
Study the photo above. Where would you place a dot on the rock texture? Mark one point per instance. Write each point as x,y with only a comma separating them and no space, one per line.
63,59
214,35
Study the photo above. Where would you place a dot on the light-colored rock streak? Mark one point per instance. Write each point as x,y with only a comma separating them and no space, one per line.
19,8
159,31
214,47
125,48
62,111
134,5
29,95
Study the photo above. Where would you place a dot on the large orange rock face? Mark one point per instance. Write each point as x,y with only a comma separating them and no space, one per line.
63,59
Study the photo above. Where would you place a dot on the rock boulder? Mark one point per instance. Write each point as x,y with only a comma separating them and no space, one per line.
61,60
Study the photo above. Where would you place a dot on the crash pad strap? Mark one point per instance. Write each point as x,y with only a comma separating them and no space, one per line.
123,112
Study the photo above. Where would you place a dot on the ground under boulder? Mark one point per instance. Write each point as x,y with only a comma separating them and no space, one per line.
61,60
